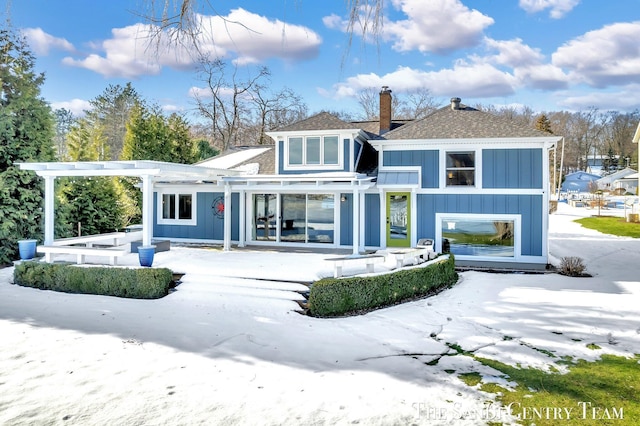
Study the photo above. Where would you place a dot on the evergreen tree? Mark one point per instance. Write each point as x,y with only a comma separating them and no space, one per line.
26,134
92,204
111,111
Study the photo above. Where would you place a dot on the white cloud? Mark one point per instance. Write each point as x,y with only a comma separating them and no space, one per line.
625,99
438,26
76,106
335,22
205,92
526,63
128,54
256,38
559,8
605,57
41,43
513,52
248,38
464,79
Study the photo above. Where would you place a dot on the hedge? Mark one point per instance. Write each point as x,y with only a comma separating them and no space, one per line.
138,283
342,296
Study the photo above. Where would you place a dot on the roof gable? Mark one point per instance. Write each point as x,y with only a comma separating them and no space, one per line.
321,121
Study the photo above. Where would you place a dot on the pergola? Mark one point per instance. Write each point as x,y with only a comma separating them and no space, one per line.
148,172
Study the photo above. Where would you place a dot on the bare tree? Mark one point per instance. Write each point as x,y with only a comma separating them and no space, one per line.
369,99
274,110
224,102
417,104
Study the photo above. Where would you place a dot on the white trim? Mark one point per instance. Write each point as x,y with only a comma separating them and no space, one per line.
177,191
517,237
250,213
480,191
477,178
479,143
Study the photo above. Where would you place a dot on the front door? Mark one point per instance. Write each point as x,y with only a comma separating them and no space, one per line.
398,219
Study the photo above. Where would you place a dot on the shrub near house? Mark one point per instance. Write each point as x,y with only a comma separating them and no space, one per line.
138,283
341,296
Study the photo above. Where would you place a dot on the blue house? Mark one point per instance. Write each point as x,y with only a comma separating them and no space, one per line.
474,183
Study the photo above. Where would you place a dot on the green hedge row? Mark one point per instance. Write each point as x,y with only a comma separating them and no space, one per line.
340,296
138,283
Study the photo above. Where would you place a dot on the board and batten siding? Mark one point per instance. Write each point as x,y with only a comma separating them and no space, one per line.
346,219
208,225
428,160
528,206
512,168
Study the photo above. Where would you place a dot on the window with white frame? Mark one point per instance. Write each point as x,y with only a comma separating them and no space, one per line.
320,151
460,167
479,235
177,208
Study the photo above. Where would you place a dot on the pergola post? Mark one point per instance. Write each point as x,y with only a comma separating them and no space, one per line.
147,210
49,209
356,221
226,246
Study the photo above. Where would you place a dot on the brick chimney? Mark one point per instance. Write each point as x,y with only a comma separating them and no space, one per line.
385,109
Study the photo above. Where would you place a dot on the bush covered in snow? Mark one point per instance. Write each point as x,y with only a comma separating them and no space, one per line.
340,296
135,283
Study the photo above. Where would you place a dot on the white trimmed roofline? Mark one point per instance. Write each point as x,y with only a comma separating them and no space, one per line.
395,144
125,168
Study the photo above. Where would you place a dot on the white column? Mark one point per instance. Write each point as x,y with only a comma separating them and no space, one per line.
147,210
356,221
362,221
226,245
49,209
383,220
243,219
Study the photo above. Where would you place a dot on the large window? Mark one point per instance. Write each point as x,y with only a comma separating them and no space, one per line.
176,208
469,235
460,168
320,151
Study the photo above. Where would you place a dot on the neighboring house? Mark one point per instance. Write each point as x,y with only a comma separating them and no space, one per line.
611,182
628,184
474,183
579,182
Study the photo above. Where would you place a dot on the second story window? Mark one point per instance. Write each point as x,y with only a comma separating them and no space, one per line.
313,151
460,168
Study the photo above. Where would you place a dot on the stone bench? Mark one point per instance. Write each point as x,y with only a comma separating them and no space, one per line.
80,252
418,255
368,259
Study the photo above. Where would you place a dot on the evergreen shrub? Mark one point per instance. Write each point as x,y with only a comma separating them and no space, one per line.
134,283
343,296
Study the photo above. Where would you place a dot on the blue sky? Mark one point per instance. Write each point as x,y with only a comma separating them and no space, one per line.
545,54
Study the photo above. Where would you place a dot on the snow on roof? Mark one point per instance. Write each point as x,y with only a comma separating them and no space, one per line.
233,158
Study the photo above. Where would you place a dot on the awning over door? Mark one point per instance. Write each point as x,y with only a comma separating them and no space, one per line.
398,178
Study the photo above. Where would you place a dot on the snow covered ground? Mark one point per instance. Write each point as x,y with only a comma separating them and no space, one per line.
228,350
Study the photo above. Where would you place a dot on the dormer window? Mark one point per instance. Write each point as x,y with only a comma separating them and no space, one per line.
318,151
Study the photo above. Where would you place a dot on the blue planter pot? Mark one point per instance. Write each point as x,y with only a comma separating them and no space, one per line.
145,255
27,249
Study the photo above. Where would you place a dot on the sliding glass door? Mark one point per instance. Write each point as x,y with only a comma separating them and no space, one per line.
298,218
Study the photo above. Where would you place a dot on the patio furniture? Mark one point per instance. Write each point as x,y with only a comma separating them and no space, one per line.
368,259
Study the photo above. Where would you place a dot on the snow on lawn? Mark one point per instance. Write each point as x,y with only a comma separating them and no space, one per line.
224,349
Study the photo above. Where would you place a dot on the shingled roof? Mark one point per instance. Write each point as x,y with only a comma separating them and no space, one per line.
321,121
463,122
